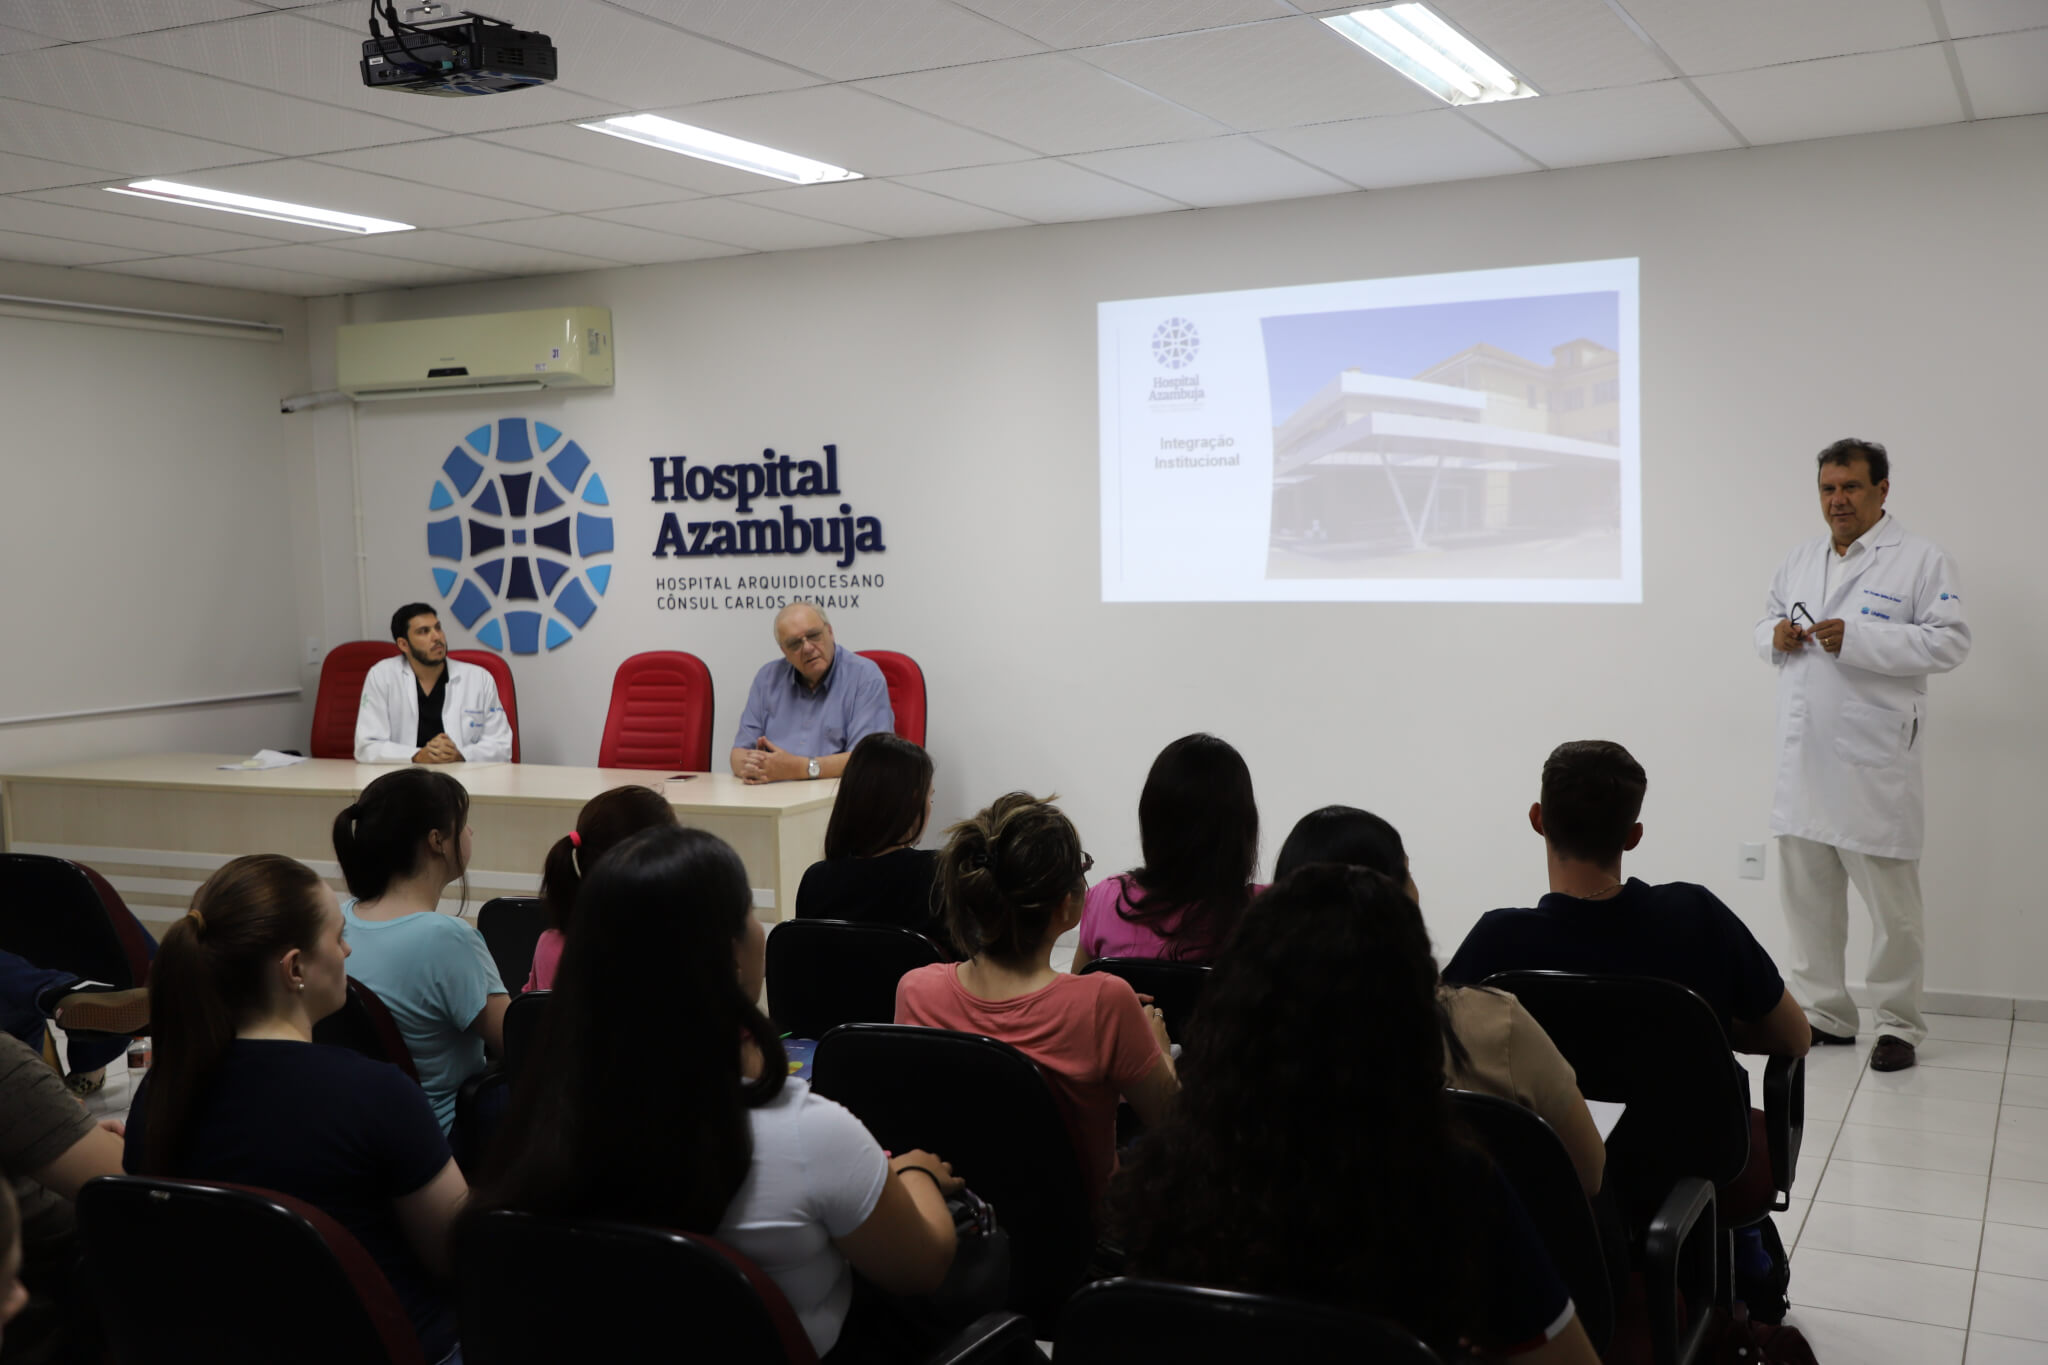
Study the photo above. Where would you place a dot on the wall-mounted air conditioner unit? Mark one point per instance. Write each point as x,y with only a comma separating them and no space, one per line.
546,348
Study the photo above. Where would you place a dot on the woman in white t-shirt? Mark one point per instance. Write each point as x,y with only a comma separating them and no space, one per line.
638,1107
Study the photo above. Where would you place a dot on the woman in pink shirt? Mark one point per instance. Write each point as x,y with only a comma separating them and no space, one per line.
1012,882
1199,830
605,821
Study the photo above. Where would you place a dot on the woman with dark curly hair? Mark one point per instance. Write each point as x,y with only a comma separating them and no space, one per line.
1313,1153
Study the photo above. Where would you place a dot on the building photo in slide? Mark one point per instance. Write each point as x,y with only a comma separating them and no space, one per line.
1467,437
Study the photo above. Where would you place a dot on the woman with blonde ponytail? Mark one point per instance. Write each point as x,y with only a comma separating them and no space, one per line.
239,1091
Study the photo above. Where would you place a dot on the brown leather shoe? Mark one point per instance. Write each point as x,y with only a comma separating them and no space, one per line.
116,1012
1891,1054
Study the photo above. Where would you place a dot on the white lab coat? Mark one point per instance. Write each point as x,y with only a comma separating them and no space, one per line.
388,718
1851,726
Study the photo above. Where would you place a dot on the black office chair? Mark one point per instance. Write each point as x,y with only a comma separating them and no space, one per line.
1115,1322
826,972
190,1270
511,926
364,1024
1176,987
985,1107
540,1291
1536,1166
64,917
523,1020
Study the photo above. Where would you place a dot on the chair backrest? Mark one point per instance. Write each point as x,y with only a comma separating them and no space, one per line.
523,1020
364,1024
190,1270
1115,1322
1176,987
1658,1048
547,1290
511,926
341,695
1535,1164
660,715
62,916
494,664
826,972
906,690
986,1108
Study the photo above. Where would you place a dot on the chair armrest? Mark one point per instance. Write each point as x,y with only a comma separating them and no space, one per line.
1681,1254
1784,1123
466,1147
988,1339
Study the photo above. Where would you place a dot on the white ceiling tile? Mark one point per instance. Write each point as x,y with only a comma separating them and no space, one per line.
1087,23
2007,74
84,21
1974,18
1560,45
294,55
1861,94
884,208
1214,171
608,241
28,246
34,173
1052,103
1622,124
570,143
226,274
1733,35
20,40
334,263
117,149
489,168
470,253
846,41
1411,149
337,187
110,227
1272,75
850,128
162,214
1044,191
93,81
741,225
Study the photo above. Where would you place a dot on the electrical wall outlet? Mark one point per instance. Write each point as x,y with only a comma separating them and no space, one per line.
1752,865
312,651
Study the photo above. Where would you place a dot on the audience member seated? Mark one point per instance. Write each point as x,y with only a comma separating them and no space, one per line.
238,1090
605,821
49,1146
400,845
1198,829
1492,1044
97,1017
675,1107
1313,1153
873,872
1012,881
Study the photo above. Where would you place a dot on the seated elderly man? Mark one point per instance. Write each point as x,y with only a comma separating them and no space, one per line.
808,709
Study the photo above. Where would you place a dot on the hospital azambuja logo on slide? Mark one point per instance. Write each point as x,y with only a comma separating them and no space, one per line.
518,538
1175,342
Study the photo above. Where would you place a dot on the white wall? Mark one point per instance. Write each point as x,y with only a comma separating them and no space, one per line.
1885,286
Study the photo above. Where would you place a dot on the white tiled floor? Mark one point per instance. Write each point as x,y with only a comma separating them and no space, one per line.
1919,1223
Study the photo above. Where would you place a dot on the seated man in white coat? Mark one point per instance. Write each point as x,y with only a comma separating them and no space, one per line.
424,707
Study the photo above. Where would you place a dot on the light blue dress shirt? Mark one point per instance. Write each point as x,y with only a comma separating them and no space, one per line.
850,703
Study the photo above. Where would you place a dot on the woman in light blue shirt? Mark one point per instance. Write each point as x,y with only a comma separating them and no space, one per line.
400,844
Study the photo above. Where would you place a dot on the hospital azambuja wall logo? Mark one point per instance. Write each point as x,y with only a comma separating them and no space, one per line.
518,539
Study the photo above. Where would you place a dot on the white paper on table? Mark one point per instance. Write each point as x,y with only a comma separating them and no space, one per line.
1606,1113
264,760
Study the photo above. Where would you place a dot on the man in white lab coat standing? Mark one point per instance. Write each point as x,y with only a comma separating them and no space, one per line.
1855,622
424,707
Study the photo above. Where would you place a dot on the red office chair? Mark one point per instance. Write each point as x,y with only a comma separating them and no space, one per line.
63,917
660,716
501,673
341,695
906,691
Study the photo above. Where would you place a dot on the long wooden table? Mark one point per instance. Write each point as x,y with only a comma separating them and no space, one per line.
156,825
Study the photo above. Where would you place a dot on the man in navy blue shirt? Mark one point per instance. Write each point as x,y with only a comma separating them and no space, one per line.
808,709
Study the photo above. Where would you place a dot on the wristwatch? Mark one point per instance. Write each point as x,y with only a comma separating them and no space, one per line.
813,767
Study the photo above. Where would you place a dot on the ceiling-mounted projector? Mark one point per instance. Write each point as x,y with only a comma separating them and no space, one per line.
472,55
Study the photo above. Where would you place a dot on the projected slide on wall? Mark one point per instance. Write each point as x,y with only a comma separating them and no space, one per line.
1436,438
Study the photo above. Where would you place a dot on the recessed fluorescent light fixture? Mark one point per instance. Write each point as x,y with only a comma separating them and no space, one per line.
665,133
199,197
1415,42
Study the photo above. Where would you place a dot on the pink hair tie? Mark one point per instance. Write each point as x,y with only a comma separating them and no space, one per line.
575,839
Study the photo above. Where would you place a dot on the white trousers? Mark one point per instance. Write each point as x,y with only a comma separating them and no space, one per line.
1813,884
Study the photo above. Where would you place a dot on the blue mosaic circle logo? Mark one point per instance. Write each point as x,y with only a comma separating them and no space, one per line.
519,542
1174,343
